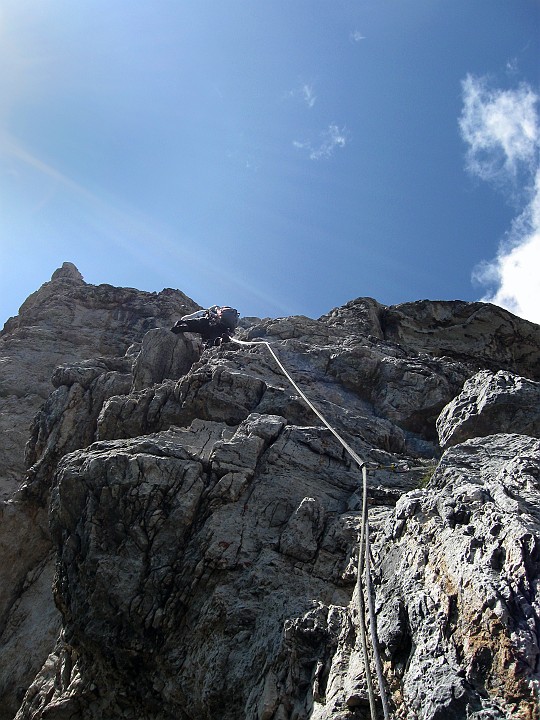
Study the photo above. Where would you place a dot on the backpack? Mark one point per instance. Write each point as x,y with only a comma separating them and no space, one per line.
228,316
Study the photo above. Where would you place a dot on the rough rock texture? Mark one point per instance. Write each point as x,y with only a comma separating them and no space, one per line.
456,578
204,526
29,622
66,320
489,403
52,343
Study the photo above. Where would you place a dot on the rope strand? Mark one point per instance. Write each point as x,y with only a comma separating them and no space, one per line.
373,630
363,549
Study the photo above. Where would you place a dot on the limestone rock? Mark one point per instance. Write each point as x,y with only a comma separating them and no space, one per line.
491,403
299,539
163,355
455,579
204,523
64,325
68,271
409,391
144,557
362,316
66,321
29,622
472,332
459,566
68,418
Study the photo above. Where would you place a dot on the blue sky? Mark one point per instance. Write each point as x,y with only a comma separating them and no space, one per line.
281,156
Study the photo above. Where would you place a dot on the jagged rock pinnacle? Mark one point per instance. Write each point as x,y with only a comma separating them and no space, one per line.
68,271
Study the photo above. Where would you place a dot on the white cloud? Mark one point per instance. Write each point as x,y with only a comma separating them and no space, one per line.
514,275
518,279
308,95
502,130
330,139
512,66
304,93
357,36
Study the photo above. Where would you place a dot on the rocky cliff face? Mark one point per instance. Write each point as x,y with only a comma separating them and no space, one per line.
66,320
198,525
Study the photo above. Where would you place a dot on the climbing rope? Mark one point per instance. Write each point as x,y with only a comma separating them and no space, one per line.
363,549
373,630
398,469
308,402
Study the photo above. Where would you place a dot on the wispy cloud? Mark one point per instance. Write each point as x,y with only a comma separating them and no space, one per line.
308,95
11,148
304,93
357,36
512,66
158,247
330,139
502,131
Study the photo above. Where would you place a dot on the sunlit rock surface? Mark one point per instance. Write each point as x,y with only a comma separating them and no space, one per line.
66,320
489,403
197,525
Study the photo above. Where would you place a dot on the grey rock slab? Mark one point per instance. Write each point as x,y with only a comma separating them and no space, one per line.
205,523
163,355
491,403
29,621
30,629
457,585
65,321
480,333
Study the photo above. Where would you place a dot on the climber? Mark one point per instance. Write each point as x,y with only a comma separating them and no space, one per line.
215,325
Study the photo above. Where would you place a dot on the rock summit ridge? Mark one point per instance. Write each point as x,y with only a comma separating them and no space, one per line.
68,271
180,537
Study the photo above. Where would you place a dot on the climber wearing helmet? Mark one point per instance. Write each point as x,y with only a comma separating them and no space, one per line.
215,325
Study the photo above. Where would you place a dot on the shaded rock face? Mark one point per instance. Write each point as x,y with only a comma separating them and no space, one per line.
74,337
66,320
204,525
480,332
